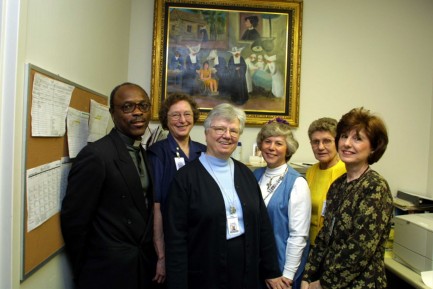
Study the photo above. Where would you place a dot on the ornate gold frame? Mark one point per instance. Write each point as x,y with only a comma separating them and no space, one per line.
285,31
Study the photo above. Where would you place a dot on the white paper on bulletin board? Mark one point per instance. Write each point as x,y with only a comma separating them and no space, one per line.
50,104
43,197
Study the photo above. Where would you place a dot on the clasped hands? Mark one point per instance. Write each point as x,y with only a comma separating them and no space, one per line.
312,285
279,283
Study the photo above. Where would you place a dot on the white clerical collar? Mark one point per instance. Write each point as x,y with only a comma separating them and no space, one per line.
193,58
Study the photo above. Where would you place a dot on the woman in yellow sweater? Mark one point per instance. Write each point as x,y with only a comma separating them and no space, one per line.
322,174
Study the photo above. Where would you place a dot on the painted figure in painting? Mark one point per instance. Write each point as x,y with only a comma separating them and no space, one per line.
218,65
204,37
262,80
260,63
277,77
192,66
237,68
176,62
206,76
251,69
176,66
251,33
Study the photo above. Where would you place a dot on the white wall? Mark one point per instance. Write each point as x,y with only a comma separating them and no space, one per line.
140,49
86,42
376,54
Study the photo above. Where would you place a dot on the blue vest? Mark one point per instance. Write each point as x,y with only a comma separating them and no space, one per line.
277,210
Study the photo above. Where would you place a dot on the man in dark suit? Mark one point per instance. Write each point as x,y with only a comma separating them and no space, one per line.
107,213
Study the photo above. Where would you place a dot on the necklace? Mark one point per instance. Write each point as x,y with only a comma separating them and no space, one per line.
359,175
270,187
232,208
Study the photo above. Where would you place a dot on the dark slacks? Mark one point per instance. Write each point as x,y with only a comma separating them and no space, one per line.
236,262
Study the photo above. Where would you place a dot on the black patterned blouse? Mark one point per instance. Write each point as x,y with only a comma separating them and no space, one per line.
350,248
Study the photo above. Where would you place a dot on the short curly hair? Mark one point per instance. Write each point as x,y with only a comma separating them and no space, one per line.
227,112
325,124
374,127
172,99
278,129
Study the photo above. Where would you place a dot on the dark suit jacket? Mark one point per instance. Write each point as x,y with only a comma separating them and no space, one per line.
105,223
195,231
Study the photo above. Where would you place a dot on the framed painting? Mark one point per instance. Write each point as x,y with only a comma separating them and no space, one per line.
244,52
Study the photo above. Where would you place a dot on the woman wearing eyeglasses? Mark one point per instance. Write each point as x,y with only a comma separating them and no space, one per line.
177,114
217,231
350,248
321,175
287,198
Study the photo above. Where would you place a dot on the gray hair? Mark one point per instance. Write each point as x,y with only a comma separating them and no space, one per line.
278,129
325,124
227,112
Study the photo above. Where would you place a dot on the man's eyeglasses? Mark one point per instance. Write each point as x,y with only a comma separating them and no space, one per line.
177,115
130,107
220,130
326,142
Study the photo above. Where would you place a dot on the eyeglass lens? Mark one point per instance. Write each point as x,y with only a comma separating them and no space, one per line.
130,107
325,142
177,115
220,130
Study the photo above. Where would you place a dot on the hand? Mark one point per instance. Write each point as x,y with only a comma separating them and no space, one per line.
277,283
315,285
288,282
158,241
160,271
305,285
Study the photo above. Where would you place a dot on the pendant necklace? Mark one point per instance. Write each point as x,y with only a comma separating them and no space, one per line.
232,208
363,173
270,187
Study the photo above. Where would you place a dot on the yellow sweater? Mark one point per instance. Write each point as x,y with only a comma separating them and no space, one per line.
319,182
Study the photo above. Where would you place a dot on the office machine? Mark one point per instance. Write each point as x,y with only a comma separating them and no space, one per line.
412,203
413,241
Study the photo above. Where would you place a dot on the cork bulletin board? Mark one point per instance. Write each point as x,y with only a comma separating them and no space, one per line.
45,241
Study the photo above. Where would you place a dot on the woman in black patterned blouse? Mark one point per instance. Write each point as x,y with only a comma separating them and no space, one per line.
349,251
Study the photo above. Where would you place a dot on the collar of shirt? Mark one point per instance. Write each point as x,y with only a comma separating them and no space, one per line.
130,142
174,146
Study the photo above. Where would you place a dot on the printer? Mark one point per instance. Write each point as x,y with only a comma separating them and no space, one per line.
413,241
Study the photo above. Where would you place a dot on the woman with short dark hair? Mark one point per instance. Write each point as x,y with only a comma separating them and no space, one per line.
177,114
350,248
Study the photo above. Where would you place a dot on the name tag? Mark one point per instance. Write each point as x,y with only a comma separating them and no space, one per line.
180,162
233,224
323,208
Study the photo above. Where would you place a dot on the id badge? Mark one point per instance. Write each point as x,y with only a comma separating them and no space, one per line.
324,208
180,162
233,224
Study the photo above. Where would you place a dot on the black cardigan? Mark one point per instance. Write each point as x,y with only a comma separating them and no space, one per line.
195,231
